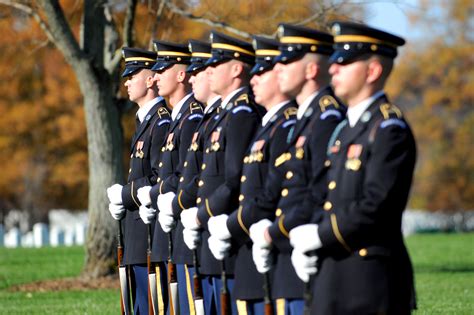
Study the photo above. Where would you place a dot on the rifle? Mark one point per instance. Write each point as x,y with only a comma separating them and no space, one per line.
172,280
268,310
308,295
152,294
224,292
198,298
123,275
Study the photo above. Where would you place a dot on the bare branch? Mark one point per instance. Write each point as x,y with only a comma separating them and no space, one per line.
30,11
158,14
173,8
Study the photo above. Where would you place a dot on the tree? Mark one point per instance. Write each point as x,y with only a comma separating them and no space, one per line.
435,81
89,35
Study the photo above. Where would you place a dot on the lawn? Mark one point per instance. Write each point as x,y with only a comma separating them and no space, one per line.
444,271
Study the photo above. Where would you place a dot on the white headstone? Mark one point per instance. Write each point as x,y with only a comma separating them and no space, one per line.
13,238
2,236
56,236
28,240
69,236
40,234
80,233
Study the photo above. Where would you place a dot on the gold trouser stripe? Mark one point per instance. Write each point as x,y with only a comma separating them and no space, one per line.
133,197
280,306
282,227
189,292
241,222
241,307
179,200
337,233
161,303
208,209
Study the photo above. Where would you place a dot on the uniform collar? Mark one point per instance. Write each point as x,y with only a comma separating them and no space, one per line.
272,112
177,107
142,111
303,107
230,96
354,112
210,103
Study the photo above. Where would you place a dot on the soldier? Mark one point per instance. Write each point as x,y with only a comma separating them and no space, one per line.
172,81
268,143
153,120
364,267
302,73
188,182
229,74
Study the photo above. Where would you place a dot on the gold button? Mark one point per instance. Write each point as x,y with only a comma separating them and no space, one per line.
185,164
129,170
327,206
363,252
243,179
201,183
289,175
246,159
284,192
163,149
207,150
203,166
198,200
241,197
181,179
161,164
131,155
278,212
327,163
332,185
158,180
337,143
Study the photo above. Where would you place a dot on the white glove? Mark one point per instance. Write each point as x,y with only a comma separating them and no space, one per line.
305,238
165,202
188,218
218,247
147,214
257,233
143,194
191,238
304,265
117,211
167,221
217,227
114,193
262,258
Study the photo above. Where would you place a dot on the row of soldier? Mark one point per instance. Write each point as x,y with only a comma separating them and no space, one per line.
259,181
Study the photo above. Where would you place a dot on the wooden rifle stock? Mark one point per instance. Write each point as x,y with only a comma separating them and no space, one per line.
268,308
196,278
172,277
225,307
152,273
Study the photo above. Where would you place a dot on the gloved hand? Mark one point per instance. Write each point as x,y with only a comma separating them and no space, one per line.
218,247
147,214
305,238
188,218
165,202
261,248
167,221
114,193
262,258
305,265
143,194
117,211
217,227
192,238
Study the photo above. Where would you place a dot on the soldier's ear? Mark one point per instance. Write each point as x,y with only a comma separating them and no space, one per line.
181,76
311,70
374,70
150,81
237,69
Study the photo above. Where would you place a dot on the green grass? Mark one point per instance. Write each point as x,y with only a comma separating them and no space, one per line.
444,272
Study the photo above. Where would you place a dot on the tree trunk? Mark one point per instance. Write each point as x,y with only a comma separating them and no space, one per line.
104,137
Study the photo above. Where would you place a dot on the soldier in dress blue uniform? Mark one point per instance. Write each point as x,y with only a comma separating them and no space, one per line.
219,182
269,143
172,81
302,70
153,119
188,183
364,267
